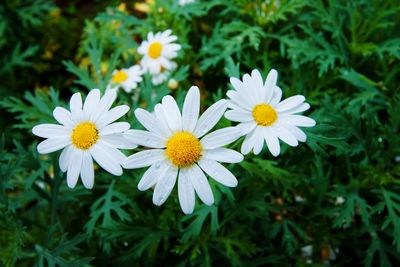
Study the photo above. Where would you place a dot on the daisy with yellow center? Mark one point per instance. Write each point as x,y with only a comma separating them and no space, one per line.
263,117
126,79
86,132
158,51
180,149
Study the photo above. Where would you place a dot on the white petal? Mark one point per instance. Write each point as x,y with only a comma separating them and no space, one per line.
246,127
116,127
144,158
91,101
150,177
74,167
105,104
160,115
65,158
286,136
53,144
239,115
259,140
290,103
145,138
118,141
104,155
201,185
272,141
185,191
276,97
76,102
63,116
223,155
220,137
299,134
87,170
164,186
172,113
297,109
191,108
210,118
51,131
112,115
270,83
249,141
150,122
218,172
298,120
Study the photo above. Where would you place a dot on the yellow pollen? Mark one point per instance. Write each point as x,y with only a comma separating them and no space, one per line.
264,114
119,77
155,50
183,149
84,135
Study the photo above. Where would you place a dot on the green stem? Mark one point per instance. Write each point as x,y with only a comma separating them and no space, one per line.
55,188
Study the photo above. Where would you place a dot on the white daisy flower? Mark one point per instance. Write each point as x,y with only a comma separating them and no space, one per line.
262,114
127,79
185,2
180,150
86,133
161,77
158,51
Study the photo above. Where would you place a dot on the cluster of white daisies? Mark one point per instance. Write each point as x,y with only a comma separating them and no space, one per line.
158,52
176,143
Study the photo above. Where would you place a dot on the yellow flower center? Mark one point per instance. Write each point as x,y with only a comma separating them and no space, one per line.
119,77
183,149
84,135
155,50
264,114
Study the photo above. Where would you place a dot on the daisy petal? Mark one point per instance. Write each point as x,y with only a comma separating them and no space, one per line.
65,158
201,185
63,116
164,185
218,172
53,144
249,142
259,140
276,97
145,138
299,120
290,103
191,108
150,122
112,115
47,130
286,136
210,118
297,109
105,104
149,178
74,167
299,134
220,137
239,115
269,85
272,141
92,101
118,141
223,155
87,170
185,191
103,155
174,118
116,127
144,158
246,127
76,102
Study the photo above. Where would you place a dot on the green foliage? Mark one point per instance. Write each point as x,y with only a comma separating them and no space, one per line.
337,194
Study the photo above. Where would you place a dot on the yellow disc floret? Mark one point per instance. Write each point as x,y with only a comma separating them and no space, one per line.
119,77
183,149
155,50
264,114
84,135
